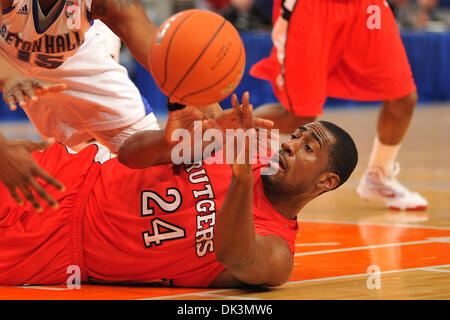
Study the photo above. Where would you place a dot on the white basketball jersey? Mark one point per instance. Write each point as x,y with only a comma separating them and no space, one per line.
30,46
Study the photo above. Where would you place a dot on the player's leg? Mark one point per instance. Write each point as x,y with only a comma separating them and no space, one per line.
379,180
375,67
394,118
299,74
112,41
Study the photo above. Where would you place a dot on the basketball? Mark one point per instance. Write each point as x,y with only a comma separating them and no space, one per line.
197,57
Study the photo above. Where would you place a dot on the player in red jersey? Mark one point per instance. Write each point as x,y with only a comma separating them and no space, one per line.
140,218
347,49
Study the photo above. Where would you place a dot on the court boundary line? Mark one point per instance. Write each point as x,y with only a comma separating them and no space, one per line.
41,288
380,224
213,295
435,270
375,246
214,292
318,244
364,274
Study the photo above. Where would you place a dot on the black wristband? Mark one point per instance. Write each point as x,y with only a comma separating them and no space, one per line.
285,13
173,106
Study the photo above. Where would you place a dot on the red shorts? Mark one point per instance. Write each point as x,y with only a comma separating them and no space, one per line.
334,48
38,247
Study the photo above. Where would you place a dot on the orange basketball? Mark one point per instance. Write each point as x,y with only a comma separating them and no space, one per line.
197,57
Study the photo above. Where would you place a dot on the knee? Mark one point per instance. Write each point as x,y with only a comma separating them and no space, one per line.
408,102
403,106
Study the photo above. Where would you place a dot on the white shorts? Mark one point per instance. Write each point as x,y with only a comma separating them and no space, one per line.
100,99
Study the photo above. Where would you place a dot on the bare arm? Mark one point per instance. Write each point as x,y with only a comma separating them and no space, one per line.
249,257
128,20
154,147
151,147
145,149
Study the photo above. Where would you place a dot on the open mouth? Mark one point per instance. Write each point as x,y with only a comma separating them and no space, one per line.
278,163
282,162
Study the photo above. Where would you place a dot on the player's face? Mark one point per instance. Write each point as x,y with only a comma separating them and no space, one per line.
302,159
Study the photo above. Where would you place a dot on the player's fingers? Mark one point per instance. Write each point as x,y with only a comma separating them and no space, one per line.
14,195
28,90
39,172
235,102
212,124
18,95
30,197
247,118
263,123
246,98
41,87
40,191
238,109
11,101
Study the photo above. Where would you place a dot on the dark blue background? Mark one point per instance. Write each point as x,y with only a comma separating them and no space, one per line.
428,54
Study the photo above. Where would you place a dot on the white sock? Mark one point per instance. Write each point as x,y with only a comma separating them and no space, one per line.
383,156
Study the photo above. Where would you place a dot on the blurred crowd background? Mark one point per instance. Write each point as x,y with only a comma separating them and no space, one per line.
256,15
246,15
424,26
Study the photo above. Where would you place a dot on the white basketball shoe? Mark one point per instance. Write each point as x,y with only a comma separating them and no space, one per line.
375,185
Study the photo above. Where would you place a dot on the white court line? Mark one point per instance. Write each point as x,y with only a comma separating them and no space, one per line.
364,274
295,282
381,224
317,244
435,270
42,288
185,294
212,295
398,244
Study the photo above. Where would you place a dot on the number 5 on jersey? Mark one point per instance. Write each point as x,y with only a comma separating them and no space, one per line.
172,232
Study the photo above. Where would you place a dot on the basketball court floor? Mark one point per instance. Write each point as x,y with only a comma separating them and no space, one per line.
346,248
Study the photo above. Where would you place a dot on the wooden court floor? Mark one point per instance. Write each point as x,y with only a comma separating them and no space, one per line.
346,248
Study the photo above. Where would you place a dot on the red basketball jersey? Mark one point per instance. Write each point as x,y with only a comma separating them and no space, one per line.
119,224
158,224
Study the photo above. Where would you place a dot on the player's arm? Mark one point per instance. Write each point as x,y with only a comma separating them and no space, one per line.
145,149
128,20
154,147
249,257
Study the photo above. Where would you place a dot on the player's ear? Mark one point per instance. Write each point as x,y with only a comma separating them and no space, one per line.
327,181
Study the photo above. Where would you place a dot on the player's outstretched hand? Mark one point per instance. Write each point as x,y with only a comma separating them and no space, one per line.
230,118
20,171
242,167
25,91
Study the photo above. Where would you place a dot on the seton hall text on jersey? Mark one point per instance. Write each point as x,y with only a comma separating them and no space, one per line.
46,44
